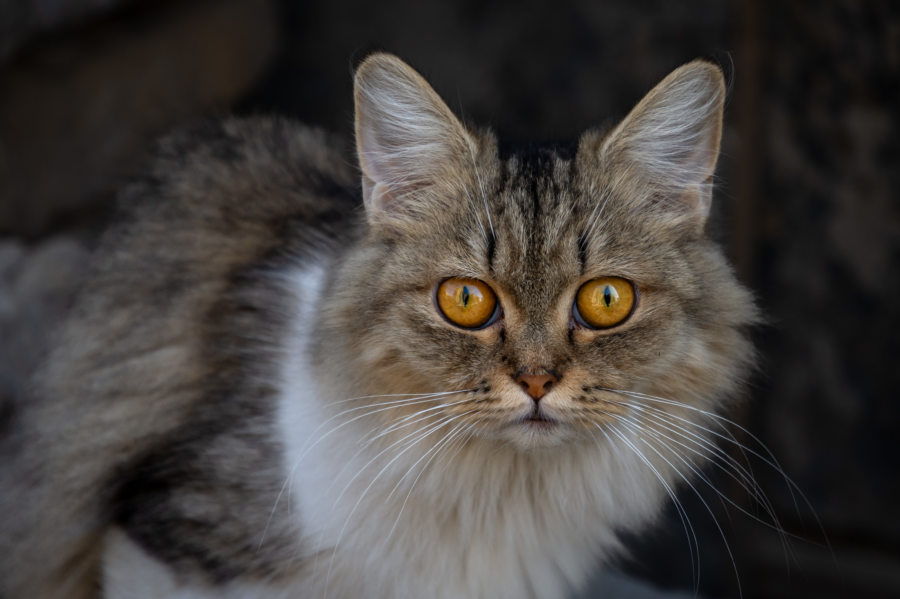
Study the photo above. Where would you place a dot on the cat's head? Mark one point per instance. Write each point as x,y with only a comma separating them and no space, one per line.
530,290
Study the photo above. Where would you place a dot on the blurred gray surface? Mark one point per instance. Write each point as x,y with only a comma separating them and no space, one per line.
616,585
78,112
37,283
21,20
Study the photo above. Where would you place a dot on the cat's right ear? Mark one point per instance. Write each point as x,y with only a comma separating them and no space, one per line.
410,144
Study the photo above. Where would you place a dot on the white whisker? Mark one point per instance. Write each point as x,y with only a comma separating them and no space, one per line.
744,477
410,399
454,432
662,438
696,492
481,187
689,531
409,445
771,461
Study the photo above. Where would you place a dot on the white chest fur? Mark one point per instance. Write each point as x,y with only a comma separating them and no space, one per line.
491,522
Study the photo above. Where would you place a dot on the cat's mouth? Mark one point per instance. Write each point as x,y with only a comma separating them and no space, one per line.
537,419
536,428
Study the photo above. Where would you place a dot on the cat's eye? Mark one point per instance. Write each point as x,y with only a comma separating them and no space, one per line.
603,303
467,303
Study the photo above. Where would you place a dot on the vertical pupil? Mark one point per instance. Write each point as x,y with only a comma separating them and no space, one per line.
607,296
464,296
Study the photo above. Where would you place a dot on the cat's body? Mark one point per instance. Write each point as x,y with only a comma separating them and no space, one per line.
258,395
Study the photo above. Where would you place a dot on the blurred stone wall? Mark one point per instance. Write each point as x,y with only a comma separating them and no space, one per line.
26,19
807,201
78,109
826,261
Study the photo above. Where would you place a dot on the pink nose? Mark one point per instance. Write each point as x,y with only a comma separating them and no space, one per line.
536,385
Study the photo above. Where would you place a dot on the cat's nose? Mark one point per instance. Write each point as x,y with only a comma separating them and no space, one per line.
537,385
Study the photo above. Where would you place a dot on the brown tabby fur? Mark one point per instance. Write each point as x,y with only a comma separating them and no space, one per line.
165,339
155,411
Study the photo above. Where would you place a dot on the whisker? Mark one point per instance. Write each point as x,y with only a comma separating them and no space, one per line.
744,477
409,445
434,452
418,434
331,403
662,437
594,218
679,508
366,443
666,420
383,406
484,234
405,420
770,461
700,497
411,399
639,401
481,187
721,421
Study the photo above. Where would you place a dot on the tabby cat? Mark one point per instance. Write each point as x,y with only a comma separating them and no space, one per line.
455,371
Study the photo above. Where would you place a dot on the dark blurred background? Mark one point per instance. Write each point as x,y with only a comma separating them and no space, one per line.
807,204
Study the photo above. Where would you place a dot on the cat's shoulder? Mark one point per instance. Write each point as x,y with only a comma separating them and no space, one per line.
221,196
254,171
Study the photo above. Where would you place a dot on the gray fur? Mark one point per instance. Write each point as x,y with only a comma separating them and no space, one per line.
156,411
158,371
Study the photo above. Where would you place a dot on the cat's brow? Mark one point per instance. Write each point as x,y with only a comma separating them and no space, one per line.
582,251
491,248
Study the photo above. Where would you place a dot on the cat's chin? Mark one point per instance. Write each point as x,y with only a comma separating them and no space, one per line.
531,433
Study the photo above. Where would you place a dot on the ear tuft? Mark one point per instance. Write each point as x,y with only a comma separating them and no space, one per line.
670,140
407,139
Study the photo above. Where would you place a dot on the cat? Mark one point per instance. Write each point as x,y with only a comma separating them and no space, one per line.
454,370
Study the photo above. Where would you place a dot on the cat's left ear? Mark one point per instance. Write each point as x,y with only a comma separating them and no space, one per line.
669,143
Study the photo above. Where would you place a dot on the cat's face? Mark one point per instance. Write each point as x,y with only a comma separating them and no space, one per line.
534,288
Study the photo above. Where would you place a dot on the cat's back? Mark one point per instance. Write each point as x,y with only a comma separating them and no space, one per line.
177,314
223,206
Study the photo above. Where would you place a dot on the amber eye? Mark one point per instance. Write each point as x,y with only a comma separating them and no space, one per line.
468,303
604,302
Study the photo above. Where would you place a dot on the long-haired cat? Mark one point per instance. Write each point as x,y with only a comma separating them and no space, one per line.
455,371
